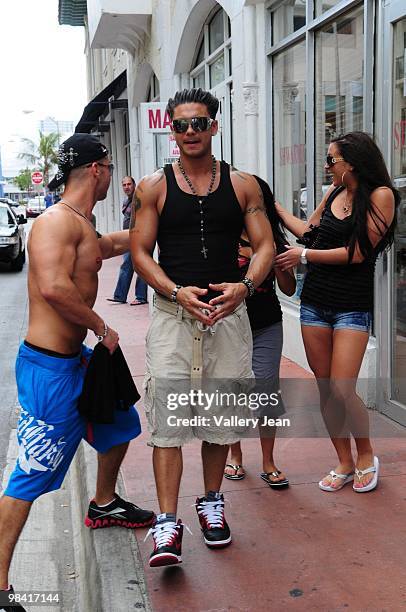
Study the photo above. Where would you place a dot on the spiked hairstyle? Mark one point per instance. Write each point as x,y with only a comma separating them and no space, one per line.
198,96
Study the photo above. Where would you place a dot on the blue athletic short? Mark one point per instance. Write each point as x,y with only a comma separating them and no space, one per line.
50,427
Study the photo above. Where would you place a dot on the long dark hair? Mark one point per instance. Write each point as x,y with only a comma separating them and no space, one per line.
274,219
359,150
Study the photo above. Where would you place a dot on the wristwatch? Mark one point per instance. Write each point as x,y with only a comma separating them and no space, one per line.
102,336
303,258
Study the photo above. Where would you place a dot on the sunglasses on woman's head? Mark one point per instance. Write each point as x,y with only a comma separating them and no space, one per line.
198,124
330,160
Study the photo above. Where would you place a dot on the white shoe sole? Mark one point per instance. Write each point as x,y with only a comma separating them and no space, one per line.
219,544
371,485
164,559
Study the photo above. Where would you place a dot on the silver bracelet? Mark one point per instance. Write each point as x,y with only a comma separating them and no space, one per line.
250,286
174,293
104,334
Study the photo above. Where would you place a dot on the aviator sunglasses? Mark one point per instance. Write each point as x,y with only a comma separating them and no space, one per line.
109,166
198,124
330,160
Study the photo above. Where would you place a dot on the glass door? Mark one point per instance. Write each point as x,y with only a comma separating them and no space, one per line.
391,292
398,340
222,143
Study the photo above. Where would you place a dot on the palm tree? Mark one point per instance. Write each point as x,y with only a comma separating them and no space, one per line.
43,155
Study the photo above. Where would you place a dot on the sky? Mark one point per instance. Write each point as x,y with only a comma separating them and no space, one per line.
42,70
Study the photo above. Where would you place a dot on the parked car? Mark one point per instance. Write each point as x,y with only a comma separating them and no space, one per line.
303,201
35,206
12,238
17,208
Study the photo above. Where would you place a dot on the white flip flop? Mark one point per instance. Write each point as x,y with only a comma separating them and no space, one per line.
345,478
372,484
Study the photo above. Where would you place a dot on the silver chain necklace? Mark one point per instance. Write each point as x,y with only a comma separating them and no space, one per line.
201,199
63,201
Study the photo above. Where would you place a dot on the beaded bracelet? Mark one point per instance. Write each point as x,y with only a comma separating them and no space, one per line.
174,293
250,286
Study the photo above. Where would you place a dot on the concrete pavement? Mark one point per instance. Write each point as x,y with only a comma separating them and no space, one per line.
294,549
297,549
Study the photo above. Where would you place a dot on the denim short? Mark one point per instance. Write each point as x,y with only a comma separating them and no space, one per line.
334,319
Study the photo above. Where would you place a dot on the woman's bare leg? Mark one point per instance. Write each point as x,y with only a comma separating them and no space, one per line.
268,462
348,351
318,342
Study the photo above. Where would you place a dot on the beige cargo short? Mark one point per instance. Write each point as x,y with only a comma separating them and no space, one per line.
196,376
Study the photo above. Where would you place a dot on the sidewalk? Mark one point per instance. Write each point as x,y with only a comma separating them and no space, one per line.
295,549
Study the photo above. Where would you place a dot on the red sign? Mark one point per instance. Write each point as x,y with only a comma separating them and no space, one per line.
36,178
158,120
173,147
399,134
296,154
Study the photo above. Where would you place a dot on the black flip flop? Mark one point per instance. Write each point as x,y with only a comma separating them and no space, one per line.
281,484
235,476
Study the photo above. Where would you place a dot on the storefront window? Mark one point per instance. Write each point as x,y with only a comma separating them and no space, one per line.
217,71
324,5
212,70
287,18
200,55
399,172
213,60
289,81
199,80
338,86
216,31
153,93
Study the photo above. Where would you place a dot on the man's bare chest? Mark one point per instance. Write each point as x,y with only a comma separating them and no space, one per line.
88,259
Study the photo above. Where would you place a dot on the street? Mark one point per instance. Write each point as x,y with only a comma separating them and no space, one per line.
296,534
46,538
13,323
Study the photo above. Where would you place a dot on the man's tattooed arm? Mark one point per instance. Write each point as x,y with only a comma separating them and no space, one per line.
254,209
135,205
240,175
160,175
257,207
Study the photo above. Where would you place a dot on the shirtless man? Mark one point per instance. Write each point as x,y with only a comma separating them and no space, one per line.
195,209
66,254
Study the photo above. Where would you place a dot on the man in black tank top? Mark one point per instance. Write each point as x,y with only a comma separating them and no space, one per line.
195,210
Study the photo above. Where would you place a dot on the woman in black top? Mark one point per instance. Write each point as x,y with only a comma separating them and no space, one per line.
353,224
265,315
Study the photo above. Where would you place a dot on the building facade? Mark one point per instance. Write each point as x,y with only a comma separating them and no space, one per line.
49,125
290,75
2,181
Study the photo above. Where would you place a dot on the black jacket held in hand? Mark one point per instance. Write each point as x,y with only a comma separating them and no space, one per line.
108,386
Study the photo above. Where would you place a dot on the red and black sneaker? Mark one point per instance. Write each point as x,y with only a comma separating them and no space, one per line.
119,513
167,538
214,526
